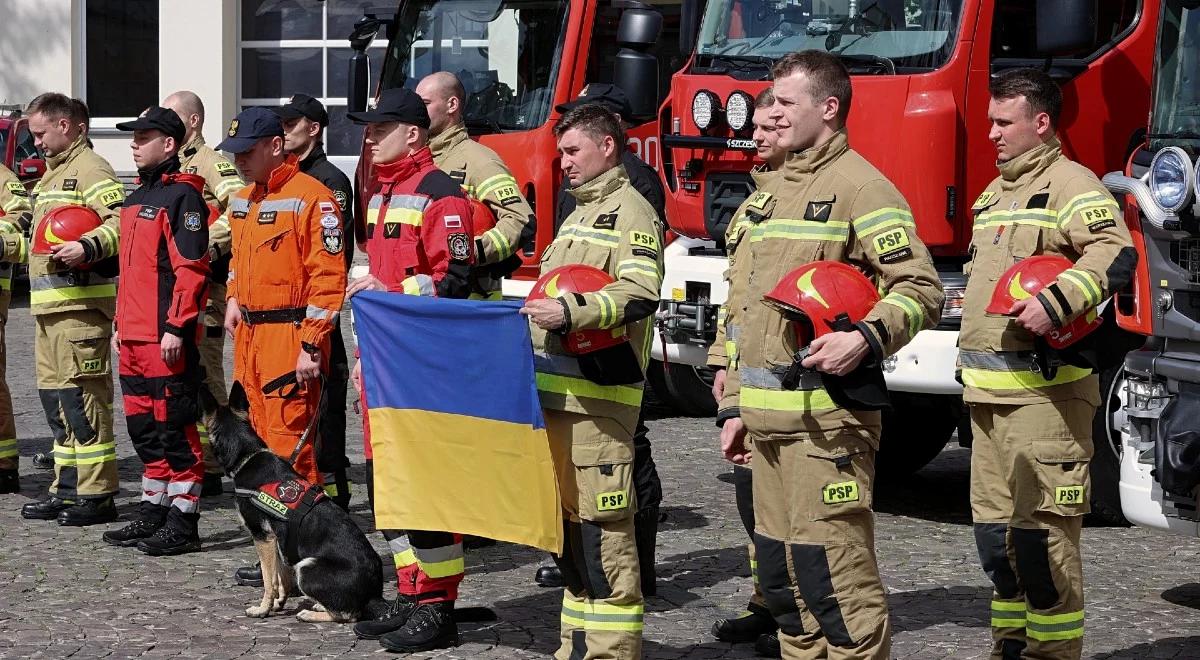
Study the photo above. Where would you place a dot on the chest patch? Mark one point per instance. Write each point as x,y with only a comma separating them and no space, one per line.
985,199
818,211
1038,201
148,212
606,221
70,184
459,176
190,169
267,217
760,206
391,230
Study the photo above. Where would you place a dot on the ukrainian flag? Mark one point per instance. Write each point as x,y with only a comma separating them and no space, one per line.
456,426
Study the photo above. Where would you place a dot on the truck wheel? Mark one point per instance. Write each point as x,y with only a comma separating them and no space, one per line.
685,388
1106,441
914,431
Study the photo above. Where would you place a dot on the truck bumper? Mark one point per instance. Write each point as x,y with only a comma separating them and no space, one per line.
1152,382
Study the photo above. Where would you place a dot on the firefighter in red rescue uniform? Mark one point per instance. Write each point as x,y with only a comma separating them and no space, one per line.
591,347
73,299
418,236
809,405
1031,406
286,286
15,213
164,273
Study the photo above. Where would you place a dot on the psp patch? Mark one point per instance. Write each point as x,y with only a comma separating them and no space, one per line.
642,239
892,245
225,168
17,189
460,246
1069,495
192,221
613,501
91,366
329,220
984,200
1098,219
331,239
840,493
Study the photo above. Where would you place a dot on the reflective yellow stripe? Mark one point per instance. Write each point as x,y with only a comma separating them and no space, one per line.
228,187
586,389
496,237
493,183
94,454
785,400
1019,380
601,237
491,295
639,265
1049,627
1032,217
72,293
603,616
911,308
608,309
802,230
441,569
1085,201
403,216
730,349
884,218
406,558
1086,283
8,448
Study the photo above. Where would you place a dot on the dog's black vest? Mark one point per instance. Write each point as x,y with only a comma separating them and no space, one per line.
289,500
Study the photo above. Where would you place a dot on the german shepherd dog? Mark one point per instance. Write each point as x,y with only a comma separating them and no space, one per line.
336,566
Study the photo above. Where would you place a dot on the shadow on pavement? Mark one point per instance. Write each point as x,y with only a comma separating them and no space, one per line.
964,606
1187,595
1184,648
939,492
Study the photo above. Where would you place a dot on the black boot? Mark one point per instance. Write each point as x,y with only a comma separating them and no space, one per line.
645,534
390,620
767,646
178,535
249,576
212,485
144,523
46,509
431,626
10,482
89,512
43,460
548,576
746,627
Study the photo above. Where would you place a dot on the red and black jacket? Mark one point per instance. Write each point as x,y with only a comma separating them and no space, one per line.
164,256
418,229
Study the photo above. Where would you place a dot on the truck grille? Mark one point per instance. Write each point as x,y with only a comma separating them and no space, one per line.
1186,253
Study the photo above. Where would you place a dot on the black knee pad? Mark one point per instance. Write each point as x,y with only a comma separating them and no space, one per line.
73,410
993,556
597,582
50,404
775,584
570,560
1032,548
815,583
743,496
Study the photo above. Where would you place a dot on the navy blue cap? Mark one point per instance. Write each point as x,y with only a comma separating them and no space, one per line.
395,104
158,119
250,126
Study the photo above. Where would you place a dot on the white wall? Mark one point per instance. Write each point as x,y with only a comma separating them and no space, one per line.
37,38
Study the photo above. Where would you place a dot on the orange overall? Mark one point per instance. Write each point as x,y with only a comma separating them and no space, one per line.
288,276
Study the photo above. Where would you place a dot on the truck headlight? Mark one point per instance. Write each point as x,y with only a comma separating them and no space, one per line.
705,105
737,111
1171,179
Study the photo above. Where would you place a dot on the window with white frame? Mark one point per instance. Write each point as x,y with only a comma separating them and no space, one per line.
300,47
120,59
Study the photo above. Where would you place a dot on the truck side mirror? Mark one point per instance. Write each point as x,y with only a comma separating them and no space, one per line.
635,70
32,168
1065,26
360,70
690,14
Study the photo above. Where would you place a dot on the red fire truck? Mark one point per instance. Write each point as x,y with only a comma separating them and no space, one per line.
920,72
1160,461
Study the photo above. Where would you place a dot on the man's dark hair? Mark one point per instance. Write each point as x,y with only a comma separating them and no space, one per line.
827,76
595,120
1038,88
59,106
765,98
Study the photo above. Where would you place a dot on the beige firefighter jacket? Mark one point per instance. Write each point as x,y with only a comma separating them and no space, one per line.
221,181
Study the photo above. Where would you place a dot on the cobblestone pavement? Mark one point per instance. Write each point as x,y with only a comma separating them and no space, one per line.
66,593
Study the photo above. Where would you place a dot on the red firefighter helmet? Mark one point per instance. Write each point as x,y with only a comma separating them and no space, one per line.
63,225
578,278
830,296
481,217
1025,279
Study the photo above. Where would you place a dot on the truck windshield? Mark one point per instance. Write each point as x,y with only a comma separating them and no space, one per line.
1176,111
506,52
879,36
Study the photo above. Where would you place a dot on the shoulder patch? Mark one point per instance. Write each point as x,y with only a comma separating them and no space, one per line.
643,239
452,222
326,207
892,245
985,199
225,168
329,220
17,189
342,199
192,221
331,239
460,246
1098,219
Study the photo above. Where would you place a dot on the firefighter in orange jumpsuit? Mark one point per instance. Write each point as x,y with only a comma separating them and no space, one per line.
287,281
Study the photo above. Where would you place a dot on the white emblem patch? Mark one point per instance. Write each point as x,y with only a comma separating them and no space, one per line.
329,221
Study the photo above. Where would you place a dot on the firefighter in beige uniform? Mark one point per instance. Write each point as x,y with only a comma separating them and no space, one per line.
813,458
73,309
591,423
483,176
1032,429
221,181
14,249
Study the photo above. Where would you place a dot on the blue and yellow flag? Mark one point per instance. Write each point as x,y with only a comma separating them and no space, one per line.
457,432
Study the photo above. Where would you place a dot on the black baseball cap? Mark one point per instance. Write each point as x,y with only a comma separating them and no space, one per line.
250,126
303,105
395,104
159,119
609,96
